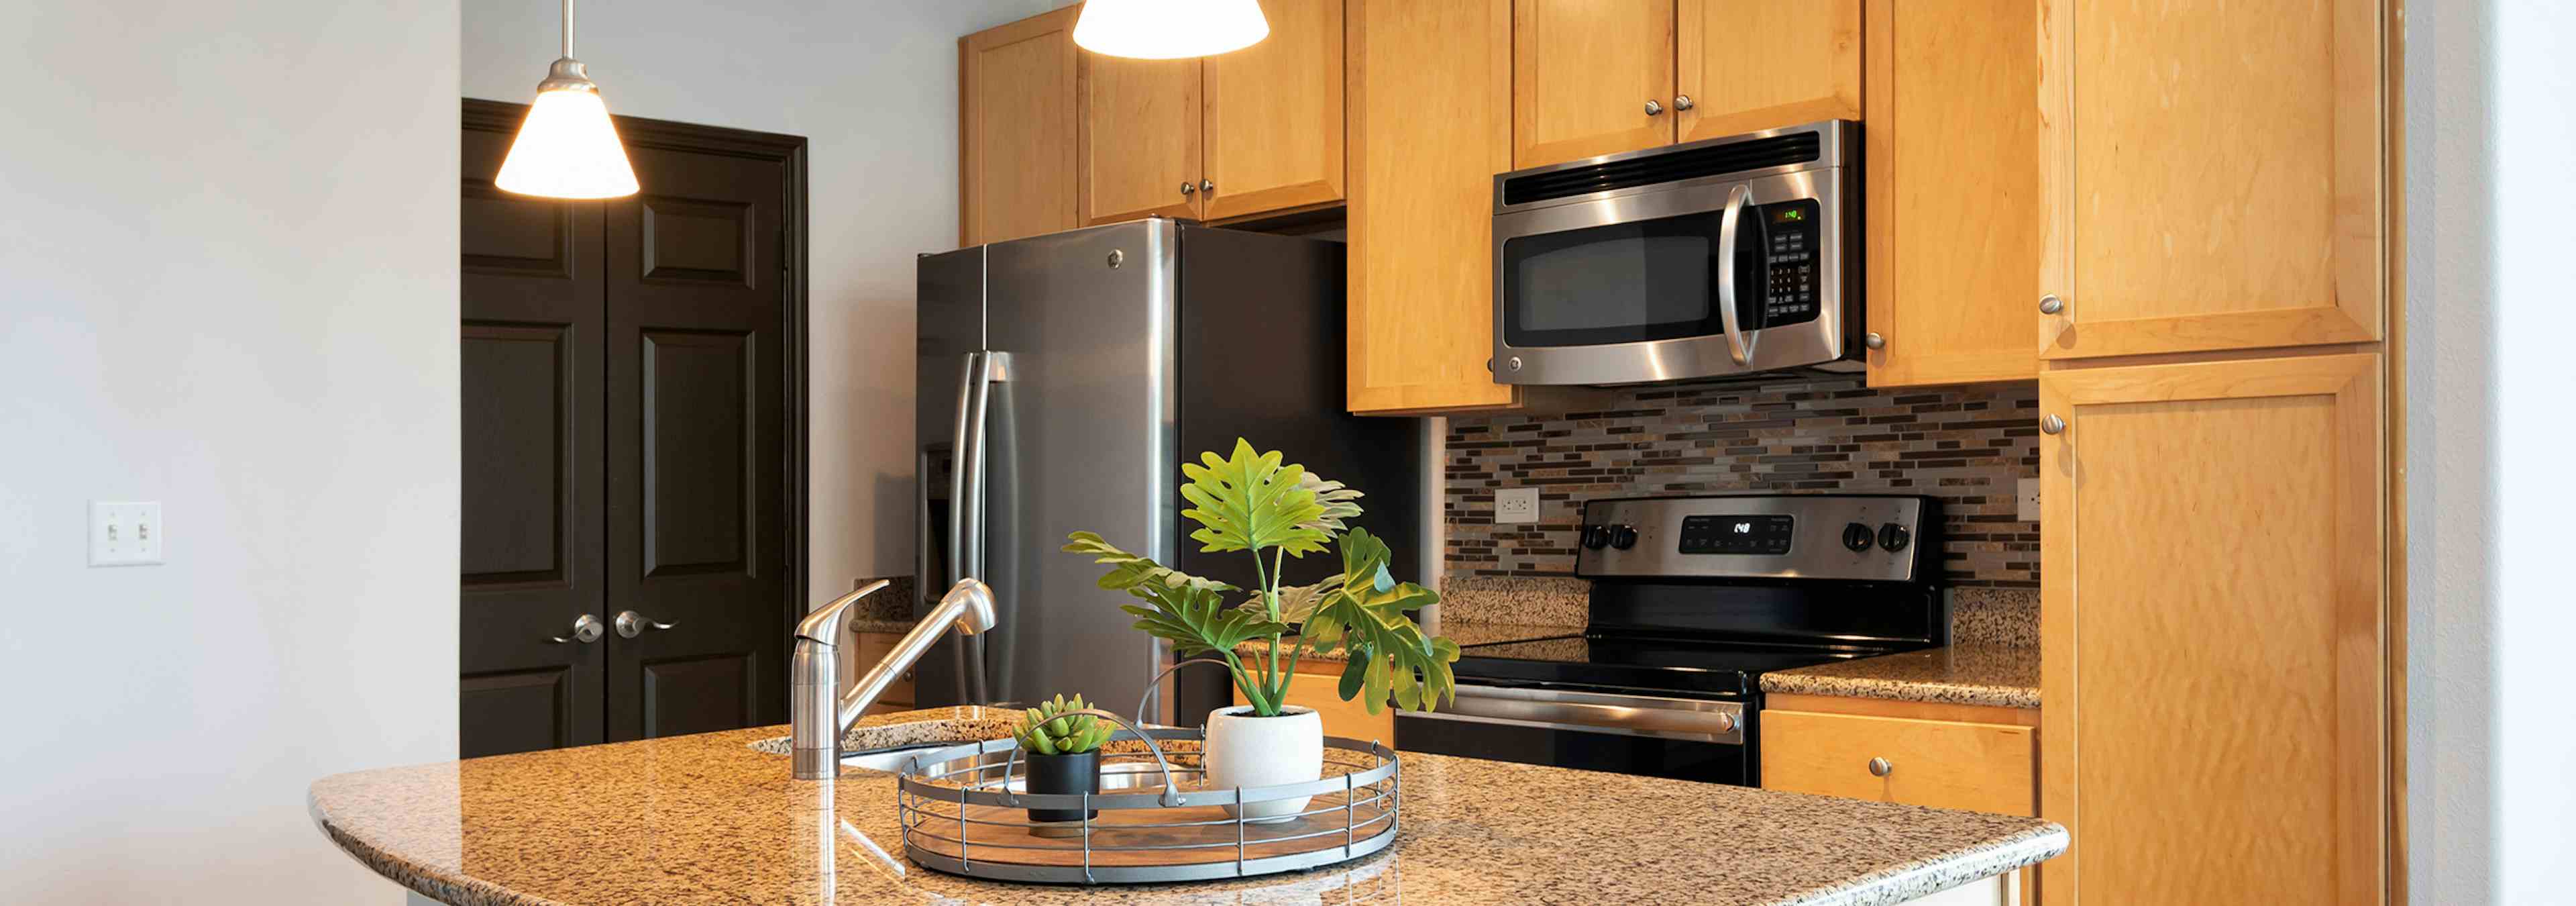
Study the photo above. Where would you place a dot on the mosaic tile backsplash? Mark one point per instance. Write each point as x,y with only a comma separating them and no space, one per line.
1969,446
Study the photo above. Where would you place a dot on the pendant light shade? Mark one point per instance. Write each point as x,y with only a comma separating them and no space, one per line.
1169,29
567,148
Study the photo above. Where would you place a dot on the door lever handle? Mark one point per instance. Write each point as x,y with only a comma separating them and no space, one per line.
631,624
586,630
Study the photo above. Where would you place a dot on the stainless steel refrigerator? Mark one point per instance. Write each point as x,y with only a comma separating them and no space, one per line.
1075,371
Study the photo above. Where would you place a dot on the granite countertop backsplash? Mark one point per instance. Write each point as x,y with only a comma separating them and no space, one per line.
1992,660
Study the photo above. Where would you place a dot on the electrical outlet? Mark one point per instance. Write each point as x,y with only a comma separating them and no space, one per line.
124,534
1516,505
2026,508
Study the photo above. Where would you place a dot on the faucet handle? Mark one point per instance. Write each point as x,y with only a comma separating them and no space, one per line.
827,623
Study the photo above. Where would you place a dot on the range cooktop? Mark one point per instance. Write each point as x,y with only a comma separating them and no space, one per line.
1598,660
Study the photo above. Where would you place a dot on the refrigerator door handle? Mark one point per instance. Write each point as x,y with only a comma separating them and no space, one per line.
966,501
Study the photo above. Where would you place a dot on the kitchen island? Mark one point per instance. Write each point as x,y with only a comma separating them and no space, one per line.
710,819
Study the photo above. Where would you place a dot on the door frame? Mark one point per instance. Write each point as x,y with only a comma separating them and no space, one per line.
789,151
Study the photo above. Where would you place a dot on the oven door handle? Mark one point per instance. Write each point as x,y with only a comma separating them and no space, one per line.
1732,736
1728,226
1593,712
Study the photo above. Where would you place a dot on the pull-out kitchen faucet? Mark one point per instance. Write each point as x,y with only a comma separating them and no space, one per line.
818,715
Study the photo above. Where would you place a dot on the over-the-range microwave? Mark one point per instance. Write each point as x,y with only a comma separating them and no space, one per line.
1731,256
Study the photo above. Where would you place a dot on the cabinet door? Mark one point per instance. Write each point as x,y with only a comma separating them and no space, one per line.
1763,64
1015,129
1954,214
1421,303
1583,74
1140,138
2213,643
1274,114
2215,175
1346,719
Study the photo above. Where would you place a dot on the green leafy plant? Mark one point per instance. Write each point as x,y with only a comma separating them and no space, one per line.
1070,736
1252,502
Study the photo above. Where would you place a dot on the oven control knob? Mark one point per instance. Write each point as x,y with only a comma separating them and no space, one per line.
1858,537
1623,537
1894,537
1596,537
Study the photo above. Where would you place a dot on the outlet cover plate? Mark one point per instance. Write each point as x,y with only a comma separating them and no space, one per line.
1516,505
2027,509
124,534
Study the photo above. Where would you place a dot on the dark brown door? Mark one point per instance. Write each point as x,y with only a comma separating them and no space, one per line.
533,368
698,507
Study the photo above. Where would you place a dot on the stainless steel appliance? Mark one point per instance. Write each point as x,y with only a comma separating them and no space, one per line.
1693,598
1730,256
1069,374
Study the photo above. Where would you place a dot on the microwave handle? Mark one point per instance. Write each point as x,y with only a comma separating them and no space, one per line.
1727,226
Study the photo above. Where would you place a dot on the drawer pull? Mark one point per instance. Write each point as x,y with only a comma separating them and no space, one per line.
1879,767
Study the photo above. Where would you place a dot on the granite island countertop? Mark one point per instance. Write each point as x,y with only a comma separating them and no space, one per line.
2002,676
708,819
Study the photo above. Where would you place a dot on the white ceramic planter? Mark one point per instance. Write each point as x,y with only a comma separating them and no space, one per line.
1245,750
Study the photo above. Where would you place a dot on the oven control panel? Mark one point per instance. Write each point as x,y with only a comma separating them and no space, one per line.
1860,537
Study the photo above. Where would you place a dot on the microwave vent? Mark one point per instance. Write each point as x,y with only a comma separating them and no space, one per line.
1663,167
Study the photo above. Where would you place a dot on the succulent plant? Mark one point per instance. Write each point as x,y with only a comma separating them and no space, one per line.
1070,736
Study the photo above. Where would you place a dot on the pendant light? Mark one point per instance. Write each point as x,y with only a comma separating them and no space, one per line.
1169,29
567,148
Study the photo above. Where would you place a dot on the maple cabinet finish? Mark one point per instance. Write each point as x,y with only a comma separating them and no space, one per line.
1420,301
1140,139
1313,687
1016,142
869,649
2213,628
1748,65
1249,132
2215,175
1981,767
1953,207
1588,78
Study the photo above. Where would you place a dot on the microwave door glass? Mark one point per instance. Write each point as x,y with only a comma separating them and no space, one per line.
1616,283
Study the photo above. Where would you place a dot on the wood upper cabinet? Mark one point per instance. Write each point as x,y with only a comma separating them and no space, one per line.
1249,132
2214,646
1748,65
1421,299
1140,138
2215,177
1274,115
1953,209
1583,75
1015,129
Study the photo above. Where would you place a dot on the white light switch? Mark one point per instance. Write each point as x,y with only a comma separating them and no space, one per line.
124,534
2027,510
1516,505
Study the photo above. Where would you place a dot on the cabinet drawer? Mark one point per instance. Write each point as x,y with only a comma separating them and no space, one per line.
1942,764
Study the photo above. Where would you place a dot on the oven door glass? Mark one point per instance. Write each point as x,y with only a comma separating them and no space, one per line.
1658,279
1596,730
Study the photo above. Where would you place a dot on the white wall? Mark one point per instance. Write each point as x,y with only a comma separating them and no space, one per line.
229,240
873,86
2491,188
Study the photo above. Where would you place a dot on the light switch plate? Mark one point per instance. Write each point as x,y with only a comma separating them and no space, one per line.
1516,505
2027,509
124,534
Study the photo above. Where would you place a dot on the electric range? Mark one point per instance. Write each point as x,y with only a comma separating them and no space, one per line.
1693,599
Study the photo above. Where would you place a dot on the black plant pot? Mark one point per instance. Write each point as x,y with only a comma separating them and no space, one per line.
1064,775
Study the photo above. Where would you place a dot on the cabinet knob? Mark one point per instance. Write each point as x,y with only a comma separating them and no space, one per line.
2052,425
2050,304
1207,186
1874,341
1653,108
1682,102
1879,767
1187,188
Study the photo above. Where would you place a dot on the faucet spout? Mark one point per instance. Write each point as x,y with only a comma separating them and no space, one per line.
819,714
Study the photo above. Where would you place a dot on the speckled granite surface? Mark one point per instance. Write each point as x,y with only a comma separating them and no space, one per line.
1994,616
2002,676
1528,600
706,819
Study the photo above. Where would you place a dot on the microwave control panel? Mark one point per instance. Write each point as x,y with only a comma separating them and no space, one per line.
1791,244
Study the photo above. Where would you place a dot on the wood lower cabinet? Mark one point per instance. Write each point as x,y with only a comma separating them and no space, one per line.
1970,757
1421,303
1748,65
1953,209
2214,637
870,650
2216,175
1312,687
1588,78
1016,129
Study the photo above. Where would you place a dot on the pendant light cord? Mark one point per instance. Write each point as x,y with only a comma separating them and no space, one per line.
567,53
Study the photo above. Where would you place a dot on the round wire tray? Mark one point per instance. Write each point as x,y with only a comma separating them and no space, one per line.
964,811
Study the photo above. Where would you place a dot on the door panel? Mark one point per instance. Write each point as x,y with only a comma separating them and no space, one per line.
2164,240
1140,138
1761,64
530,352
697,419
1016,129
1582,73
2212,631
1274,114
